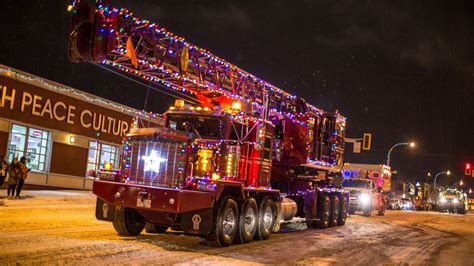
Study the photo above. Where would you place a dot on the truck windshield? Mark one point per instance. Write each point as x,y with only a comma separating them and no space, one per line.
202,126
355,183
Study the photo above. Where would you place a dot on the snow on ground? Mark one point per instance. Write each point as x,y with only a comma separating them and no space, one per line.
59,227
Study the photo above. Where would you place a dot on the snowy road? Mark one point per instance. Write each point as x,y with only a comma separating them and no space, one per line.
60,227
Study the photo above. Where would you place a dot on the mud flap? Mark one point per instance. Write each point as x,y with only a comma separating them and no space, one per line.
311,207
197,222
104,211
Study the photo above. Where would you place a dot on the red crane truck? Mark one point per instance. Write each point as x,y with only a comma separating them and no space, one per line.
231,168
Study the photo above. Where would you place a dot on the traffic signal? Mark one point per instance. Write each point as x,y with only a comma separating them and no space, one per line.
366,141
468,169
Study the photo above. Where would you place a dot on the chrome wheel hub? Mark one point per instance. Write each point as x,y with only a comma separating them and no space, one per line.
250,220
228,223
267,218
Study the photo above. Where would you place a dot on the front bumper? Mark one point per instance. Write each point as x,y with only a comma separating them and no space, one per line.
153,198
186,210
356,205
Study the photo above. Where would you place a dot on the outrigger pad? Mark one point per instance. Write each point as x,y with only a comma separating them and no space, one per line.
104,211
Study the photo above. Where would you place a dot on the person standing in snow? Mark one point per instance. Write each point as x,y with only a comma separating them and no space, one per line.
14,172
23,175
3,170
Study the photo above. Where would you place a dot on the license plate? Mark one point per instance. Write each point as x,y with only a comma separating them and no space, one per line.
144,203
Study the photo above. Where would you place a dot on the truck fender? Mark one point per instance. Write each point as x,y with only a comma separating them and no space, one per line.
232,189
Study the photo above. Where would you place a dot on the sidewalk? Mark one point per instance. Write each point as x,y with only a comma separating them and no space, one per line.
43,192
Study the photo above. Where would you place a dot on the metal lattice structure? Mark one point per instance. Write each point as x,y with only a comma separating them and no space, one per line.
168,60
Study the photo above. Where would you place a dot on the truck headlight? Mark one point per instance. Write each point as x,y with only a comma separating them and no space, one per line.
455,201
364,199
442,200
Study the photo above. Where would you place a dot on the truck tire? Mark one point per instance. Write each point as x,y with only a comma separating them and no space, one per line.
324,213
335,209
127,221
343,211
155,228
311,224
248,221
225,224
368,211
381,211
266,218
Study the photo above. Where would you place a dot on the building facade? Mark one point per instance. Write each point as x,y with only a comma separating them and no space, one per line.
66,135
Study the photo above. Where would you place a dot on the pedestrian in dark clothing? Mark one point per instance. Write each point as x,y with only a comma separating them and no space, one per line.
14,173
3,170
23,175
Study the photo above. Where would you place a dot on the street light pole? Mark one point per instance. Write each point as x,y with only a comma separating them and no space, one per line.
438,174
411,144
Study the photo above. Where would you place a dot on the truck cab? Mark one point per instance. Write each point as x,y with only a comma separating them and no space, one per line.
453,201
364,196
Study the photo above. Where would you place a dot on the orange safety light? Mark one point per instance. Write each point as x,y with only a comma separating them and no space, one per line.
179,103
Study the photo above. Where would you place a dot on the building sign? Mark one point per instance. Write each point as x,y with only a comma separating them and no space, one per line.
37,106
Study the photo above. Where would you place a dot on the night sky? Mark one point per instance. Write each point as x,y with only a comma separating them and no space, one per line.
401,70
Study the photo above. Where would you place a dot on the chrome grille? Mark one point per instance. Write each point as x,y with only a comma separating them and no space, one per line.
156,163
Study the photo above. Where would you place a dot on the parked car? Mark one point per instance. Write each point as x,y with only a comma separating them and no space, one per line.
394,204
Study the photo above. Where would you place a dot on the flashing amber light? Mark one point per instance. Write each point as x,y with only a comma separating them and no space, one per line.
172,108
229,165
236,106
69,8
107,166
215,176
179,103
205,157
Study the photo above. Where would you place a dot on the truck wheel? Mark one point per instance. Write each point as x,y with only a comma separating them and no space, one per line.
310,224
154,228
127,221
381,211
335,208
368,211
343,212
225,224
324,213
248,221
266,218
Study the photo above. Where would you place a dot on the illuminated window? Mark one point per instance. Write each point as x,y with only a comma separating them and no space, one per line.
99,155
31,143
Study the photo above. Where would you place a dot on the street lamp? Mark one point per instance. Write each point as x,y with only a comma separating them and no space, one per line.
438,174
410,144
428,175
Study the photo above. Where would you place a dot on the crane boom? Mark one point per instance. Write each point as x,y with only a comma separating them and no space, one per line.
107,35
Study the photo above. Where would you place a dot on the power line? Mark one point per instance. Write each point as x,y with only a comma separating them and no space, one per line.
183,97
426,154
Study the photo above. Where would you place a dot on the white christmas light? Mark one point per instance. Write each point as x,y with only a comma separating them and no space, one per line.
153,161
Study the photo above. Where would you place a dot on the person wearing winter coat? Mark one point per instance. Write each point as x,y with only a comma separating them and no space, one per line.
3,170
23,175
14,173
